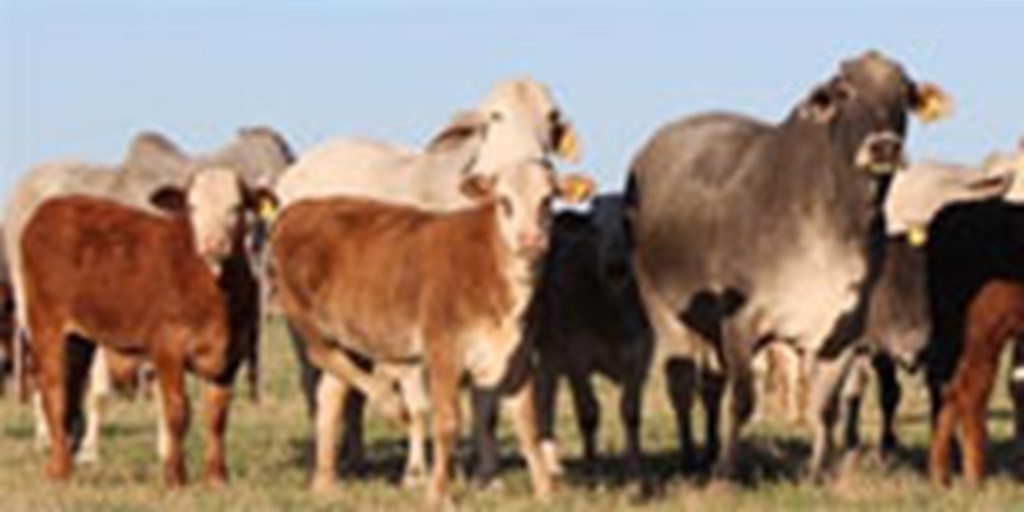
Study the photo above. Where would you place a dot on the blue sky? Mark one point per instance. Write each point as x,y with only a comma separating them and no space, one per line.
79,78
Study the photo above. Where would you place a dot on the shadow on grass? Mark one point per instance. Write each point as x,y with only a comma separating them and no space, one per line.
764,461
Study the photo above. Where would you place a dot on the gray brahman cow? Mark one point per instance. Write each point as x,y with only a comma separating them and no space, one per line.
748,232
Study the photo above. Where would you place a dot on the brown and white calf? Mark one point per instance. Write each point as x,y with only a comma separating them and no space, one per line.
175,289
408,288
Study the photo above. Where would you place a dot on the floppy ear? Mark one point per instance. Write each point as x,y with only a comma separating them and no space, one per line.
478,186
463,125
823,104
170,199
930,103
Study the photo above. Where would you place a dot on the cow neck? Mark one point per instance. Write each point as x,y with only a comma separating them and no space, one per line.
515,270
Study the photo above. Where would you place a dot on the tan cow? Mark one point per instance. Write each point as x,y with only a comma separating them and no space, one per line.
417,291
174,289
518,120
258,154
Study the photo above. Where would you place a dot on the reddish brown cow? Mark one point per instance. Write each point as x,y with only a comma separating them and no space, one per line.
994,317
412,289
174,289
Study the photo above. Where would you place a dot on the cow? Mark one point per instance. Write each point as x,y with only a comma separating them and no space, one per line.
748,232
974,267
994,316
418,291
898,322
519,119
258,154
585,318
522,118
174,289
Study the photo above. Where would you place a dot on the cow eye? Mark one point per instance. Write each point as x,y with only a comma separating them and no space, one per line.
506,205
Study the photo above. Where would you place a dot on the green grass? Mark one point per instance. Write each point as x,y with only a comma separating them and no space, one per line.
269,446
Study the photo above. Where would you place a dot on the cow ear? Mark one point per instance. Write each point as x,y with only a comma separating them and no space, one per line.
263,202
463,126
824,102
478,186
170,199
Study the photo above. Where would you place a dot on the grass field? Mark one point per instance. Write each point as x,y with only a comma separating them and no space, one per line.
270,459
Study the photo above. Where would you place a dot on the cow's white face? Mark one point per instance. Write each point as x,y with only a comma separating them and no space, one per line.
524,121
524,194
215,206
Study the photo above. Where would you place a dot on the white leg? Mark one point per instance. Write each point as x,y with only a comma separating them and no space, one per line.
95,400
163,437
418,404
42,441
330,395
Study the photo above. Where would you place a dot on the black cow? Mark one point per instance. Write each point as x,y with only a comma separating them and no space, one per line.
748,232
585,318
969,245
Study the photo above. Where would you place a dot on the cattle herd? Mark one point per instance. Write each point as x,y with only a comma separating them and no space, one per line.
405,275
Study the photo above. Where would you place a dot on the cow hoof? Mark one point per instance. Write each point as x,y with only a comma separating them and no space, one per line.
323,484
549,451
87,457
414,478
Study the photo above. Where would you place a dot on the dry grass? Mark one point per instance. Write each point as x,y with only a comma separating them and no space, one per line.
269,449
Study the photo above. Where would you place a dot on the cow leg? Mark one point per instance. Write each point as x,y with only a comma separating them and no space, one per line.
97,394
588,415
889,395
309,375
444,394
740,377
827,377
852,395
51,364
630,410
485,424
330,393
974,396
547,398
217,396
712,390
175,408
418,405
1016,386
353,454
524,417
380,392
942,440
681,382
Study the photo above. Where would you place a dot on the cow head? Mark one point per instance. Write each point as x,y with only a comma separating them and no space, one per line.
873,93
523,194
525,122
220,208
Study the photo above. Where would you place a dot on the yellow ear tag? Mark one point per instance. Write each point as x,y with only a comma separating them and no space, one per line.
266,210
576,189
917,236
568,146
935,105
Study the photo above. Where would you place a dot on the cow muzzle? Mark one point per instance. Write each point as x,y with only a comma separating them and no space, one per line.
881,153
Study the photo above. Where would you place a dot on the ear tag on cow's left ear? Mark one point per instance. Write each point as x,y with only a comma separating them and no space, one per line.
917,236
575,188
935,104
266,209
568,145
